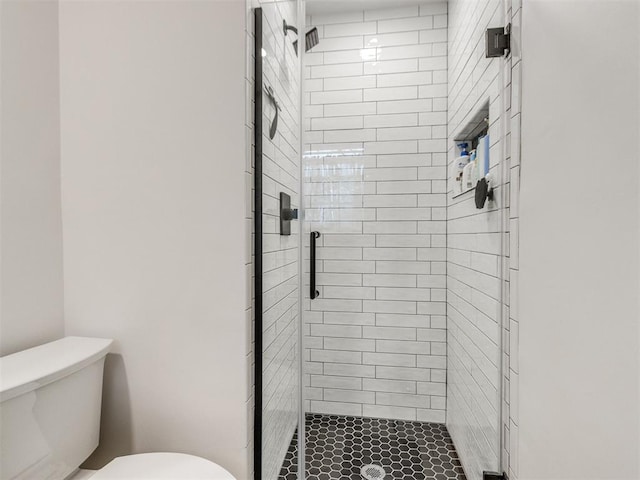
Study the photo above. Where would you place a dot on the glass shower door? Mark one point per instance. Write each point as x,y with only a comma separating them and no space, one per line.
375,173
277,189
402,345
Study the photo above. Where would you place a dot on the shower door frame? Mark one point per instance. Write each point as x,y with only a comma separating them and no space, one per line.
258,96
257,257
302,244
301,24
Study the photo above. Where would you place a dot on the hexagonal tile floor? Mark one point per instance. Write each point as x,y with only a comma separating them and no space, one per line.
338,447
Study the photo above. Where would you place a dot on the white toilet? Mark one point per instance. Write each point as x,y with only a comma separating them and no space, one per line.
50,401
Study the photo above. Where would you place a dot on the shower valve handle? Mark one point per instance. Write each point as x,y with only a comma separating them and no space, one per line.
290,213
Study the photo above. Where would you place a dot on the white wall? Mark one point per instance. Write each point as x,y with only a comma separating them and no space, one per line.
375,173
579,234
31,303
155,230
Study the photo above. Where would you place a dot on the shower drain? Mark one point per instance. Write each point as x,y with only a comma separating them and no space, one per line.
373,472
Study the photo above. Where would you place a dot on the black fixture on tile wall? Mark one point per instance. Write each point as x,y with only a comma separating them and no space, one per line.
484,192
286,214
498,41
311,38
313,293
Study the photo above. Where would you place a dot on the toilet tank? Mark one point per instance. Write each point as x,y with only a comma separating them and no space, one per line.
50,400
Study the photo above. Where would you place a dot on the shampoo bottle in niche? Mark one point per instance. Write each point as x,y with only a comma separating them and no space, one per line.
461,162
470,172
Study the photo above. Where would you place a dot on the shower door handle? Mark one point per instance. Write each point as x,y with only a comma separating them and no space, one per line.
313,293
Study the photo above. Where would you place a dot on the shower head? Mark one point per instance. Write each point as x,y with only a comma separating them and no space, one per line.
311,38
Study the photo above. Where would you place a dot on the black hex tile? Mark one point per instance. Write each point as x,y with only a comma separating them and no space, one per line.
337,447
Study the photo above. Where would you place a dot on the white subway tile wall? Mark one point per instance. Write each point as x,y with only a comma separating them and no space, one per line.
281,162
477,248
375,188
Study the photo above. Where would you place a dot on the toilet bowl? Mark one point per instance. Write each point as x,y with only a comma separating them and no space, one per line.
48,391
160,466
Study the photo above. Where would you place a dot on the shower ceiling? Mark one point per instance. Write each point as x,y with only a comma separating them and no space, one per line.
332,6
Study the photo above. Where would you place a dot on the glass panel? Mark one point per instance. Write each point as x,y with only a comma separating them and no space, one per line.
475,241
279,152
375,189
402,346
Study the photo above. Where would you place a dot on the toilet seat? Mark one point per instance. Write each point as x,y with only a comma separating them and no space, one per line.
161,465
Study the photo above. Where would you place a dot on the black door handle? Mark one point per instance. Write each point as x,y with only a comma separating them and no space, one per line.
313,292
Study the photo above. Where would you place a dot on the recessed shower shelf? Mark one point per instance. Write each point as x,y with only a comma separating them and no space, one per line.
476,127
472,189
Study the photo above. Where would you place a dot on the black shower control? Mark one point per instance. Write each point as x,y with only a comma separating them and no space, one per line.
286,214
290,214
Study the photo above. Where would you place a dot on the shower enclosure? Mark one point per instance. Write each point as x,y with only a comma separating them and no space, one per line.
380,282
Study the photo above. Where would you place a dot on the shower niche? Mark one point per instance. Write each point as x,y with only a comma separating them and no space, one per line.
471,153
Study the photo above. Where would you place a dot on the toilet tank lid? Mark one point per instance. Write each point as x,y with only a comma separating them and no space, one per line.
27,370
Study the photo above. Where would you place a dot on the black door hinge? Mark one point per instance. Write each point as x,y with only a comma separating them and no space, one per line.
498,41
